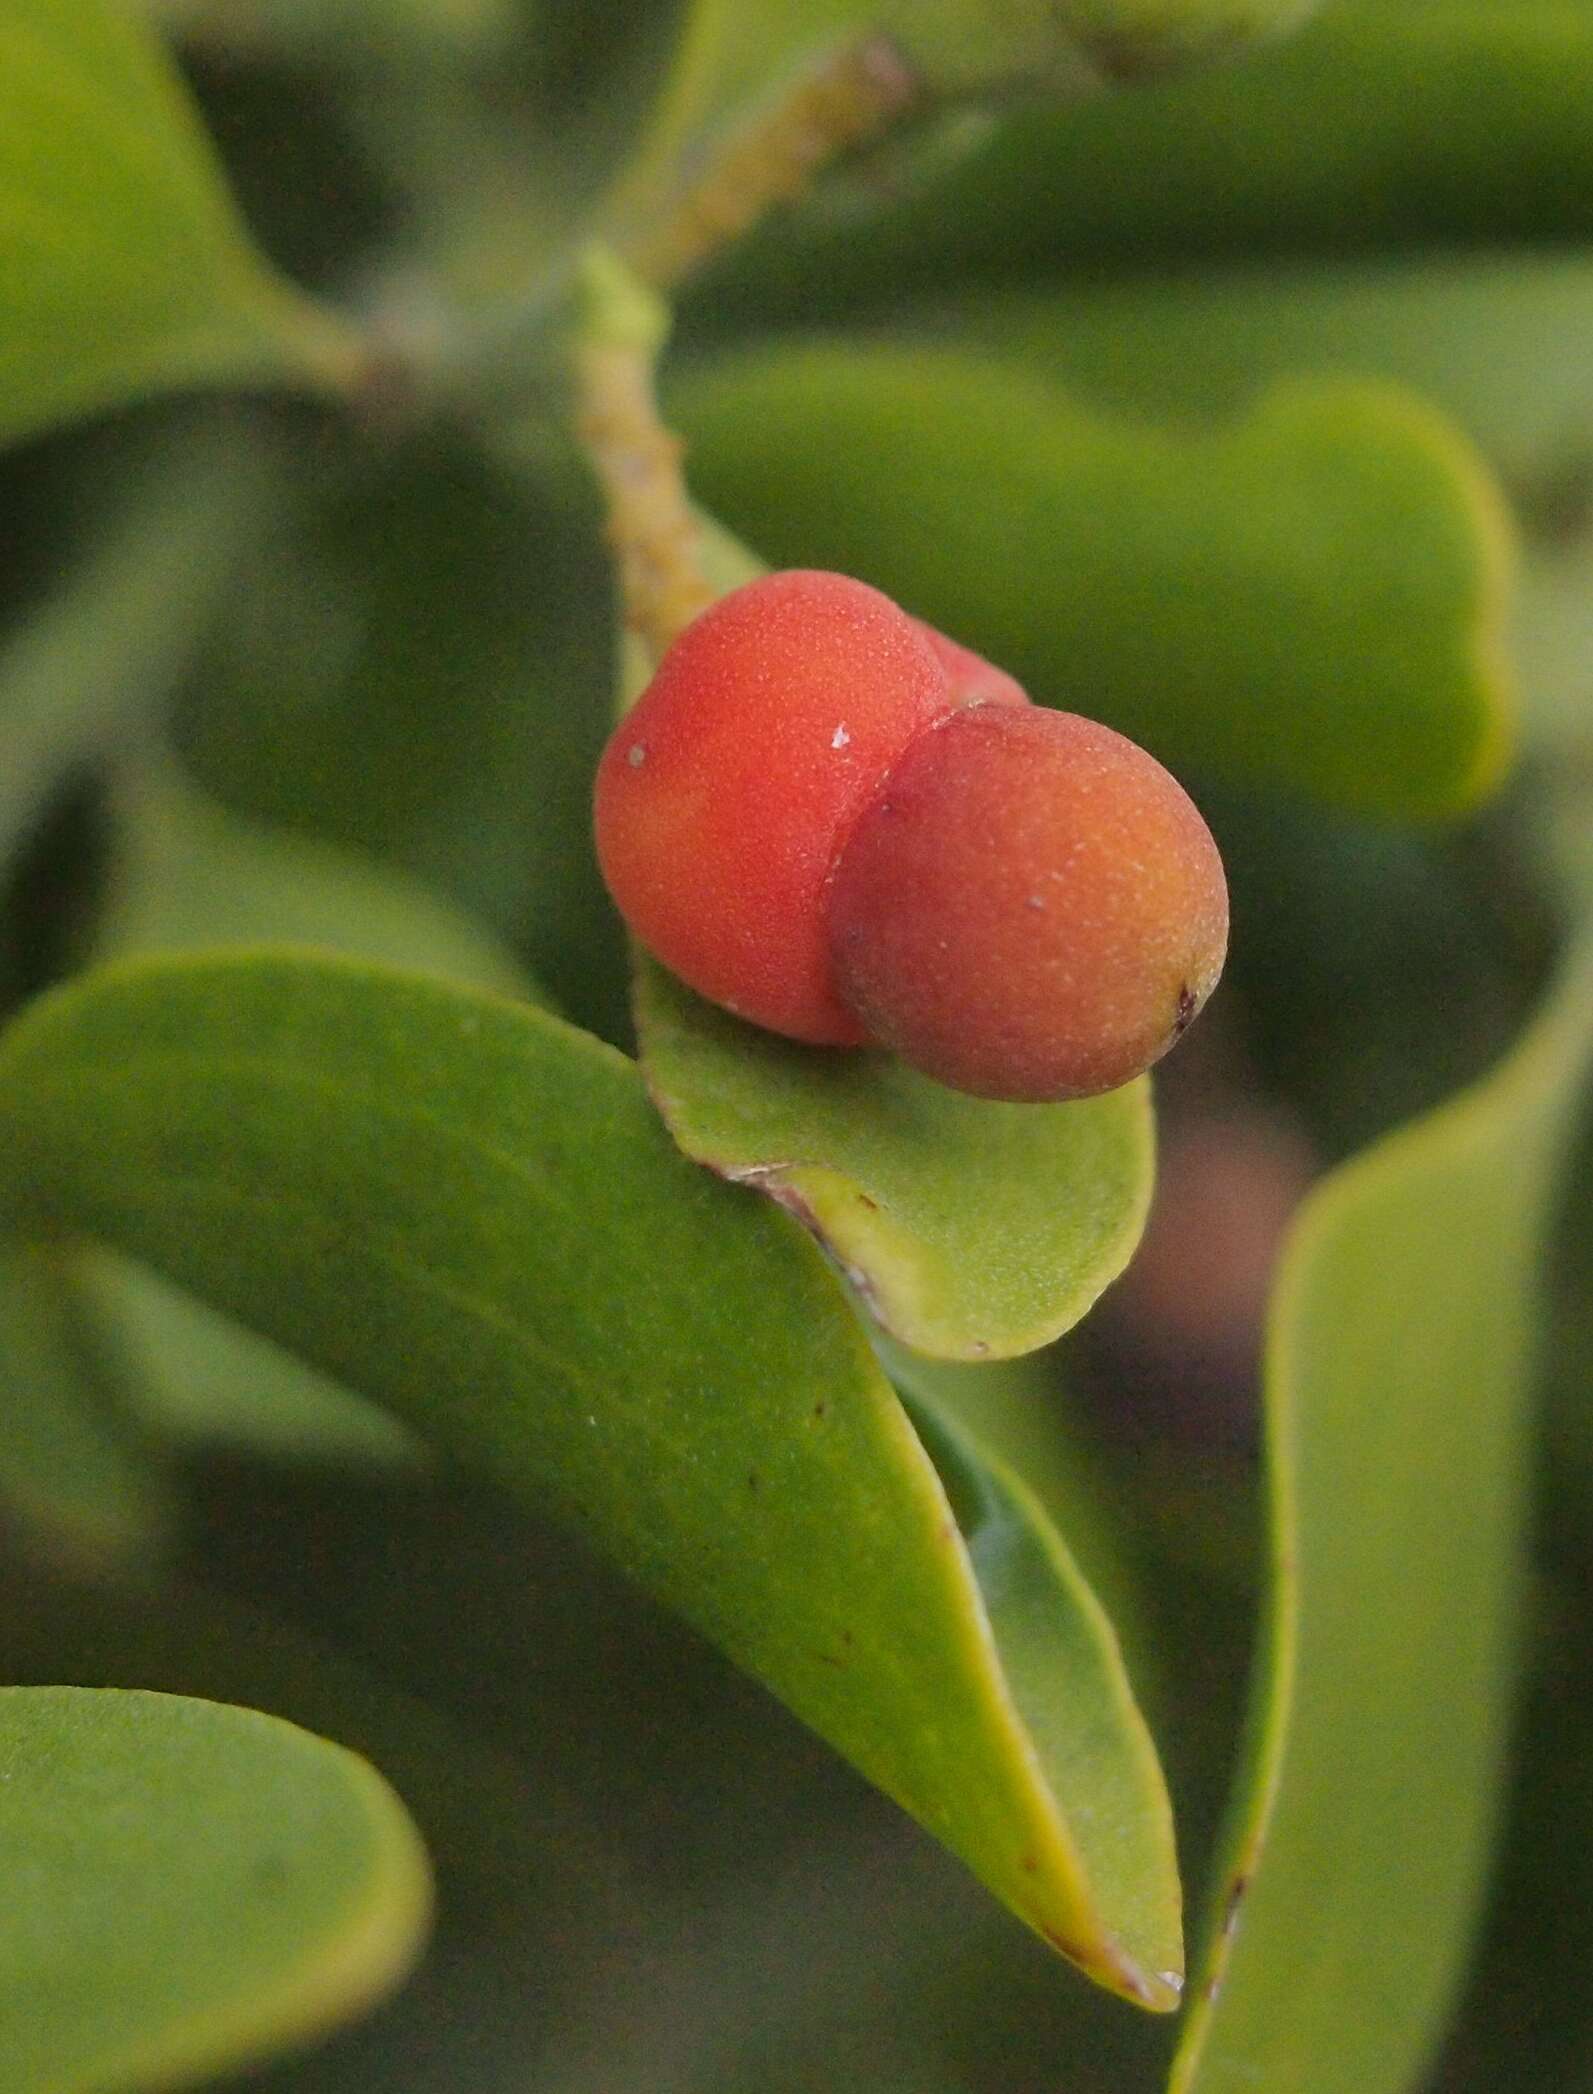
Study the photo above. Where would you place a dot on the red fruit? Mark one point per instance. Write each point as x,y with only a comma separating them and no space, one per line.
973,680
841,825
724,794
1031,908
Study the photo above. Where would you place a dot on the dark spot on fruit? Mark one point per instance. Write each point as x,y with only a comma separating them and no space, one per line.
1186,1009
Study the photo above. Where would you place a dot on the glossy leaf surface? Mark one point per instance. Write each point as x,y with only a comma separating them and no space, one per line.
127,270
1398,1377
1314,596
190,1887
416,1187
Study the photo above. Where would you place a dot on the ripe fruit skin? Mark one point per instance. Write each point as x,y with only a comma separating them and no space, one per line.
1030,909
723,796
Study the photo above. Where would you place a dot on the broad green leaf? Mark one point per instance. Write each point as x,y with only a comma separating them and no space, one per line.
192,875
416,1188
1397,1374
1376,126
1314,595
95,664
1495,340
190,1886
972,1230
75,1478
127,270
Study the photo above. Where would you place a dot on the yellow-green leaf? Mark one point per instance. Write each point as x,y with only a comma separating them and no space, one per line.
1397,1383
188,1888
470,1212
124,268
1314,595
973,1230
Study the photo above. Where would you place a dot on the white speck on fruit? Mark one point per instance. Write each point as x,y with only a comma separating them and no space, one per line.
840,738
636,755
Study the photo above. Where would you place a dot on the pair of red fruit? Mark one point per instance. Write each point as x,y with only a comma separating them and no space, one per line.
837,823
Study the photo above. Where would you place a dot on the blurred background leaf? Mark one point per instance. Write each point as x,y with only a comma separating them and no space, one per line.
127,270
1314,596
79,1482
278,1885
1398,1370
1380,125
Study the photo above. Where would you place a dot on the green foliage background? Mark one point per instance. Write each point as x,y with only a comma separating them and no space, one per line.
386,1375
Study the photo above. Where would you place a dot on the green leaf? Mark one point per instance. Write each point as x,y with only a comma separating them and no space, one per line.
730,54
1398,1374
1314,596
127,270
1495,340
1021,1415
75,1478
417,1188
191,1887
1376,126
972,1230
192,875
1491,338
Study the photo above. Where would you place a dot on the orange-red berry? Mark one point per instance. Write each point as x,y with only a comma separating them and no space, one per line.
724,794
1031,907
840,824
